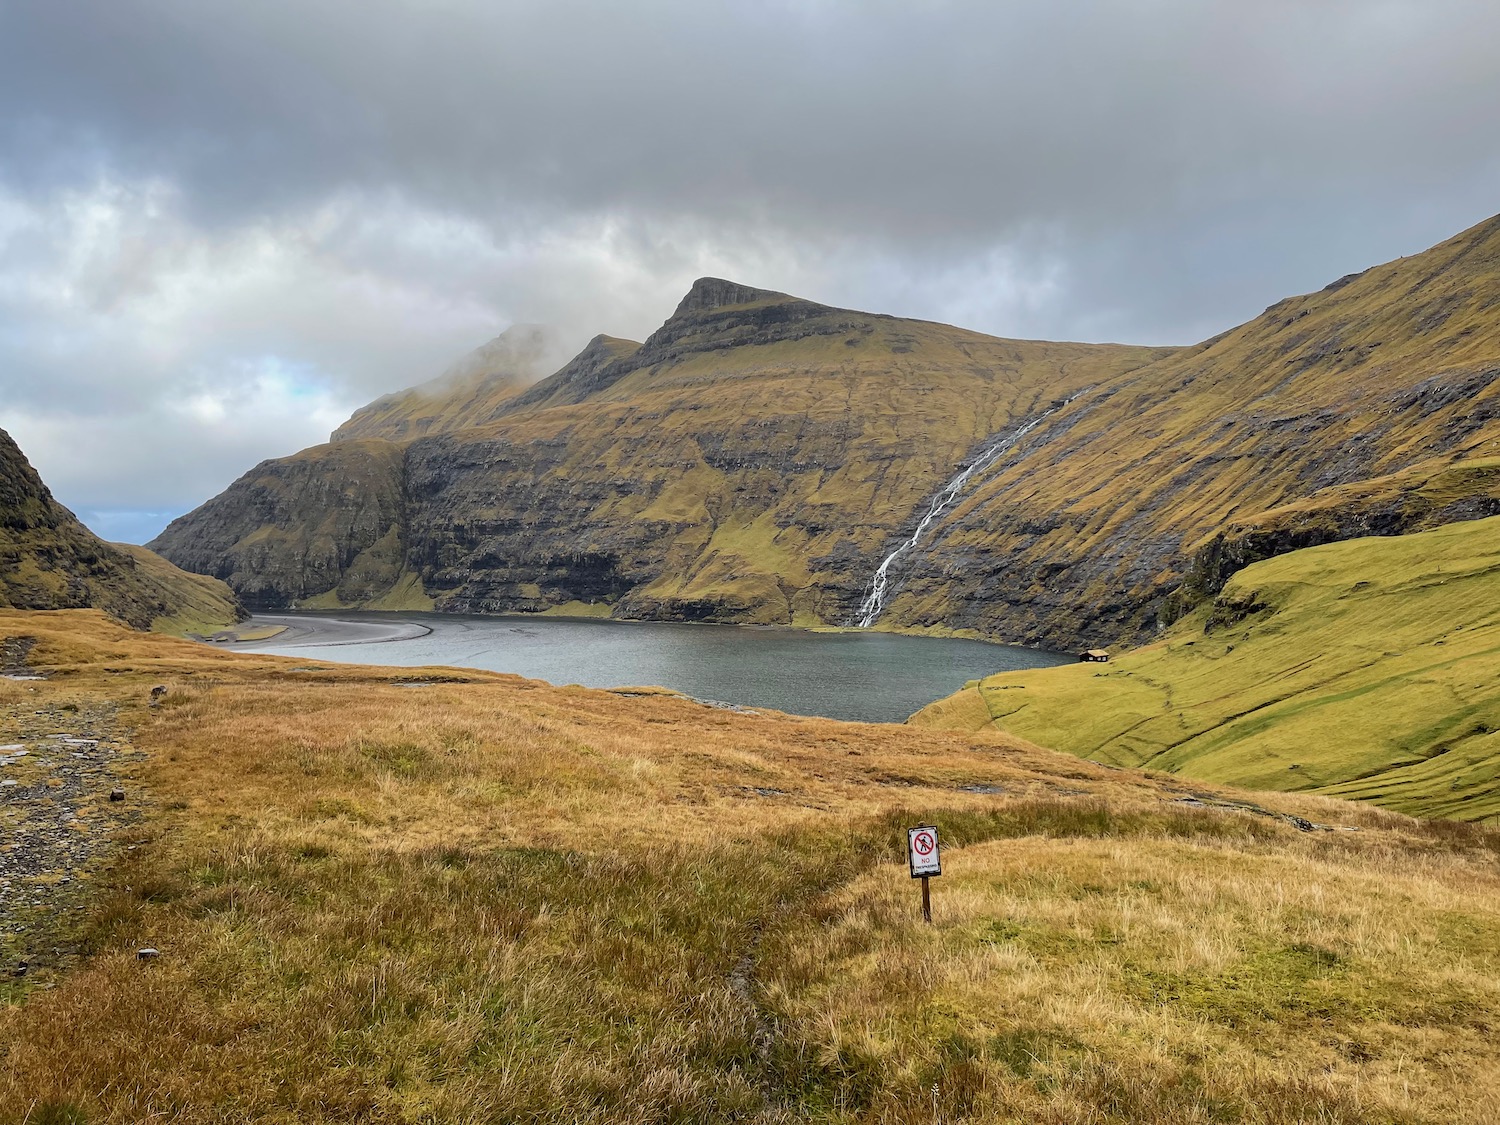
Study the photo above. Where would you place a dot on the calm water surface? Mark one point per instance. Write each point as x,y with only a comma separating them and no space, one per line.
874,677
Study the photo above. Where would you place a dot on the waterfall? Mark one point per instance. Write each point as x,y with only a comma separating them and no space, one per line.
874,604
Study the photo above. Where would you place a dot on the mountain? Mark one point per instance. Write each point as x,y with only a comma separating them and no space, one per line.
1370,407
749,461
758,456
48,560
473,391
1367,669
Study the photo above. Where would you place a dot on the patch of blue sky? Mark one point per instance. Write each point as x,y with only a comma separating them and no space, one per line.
292,378
119,525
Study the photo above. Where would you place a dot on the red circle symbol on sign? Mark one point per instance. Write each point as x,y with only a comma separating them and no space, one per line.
923,843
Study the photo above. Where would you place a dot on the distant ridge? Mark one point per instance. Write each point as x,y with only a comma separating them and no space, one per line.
603,360
472,391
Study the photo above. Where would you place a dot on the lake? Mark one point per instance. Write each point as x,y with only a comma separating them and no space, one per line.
865,676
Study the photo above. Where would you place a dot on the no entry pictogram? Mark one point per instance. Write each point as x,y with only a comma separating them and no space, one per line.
922,850
922,854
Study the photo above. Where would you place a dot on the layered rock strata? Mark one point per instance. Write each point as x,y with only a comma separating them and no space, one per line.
759,455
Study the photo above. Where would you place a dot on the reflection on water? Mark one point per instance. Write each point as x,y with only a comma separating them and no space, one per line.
874,677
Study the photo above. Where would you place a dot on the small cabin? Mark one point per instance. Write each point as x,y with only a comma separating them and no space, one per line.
1094,656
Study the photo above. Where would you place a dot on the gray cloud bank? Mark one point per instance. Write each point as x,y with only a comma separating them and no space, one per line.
223,226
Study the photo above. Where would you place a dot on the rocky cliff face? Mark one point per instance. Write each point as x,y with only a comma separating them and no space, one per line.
747,462
330,520
48,560
756,457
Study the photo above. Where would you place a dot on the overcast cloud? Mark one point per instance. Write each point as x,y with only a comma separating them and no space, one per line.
224,226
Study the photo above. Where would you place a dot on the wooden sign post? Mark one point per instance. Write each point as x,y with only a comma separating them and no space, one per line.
922,854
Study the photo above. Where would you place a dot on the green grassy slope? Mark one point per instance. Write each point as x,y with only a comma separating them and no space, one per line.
48,560
1368,668
190,603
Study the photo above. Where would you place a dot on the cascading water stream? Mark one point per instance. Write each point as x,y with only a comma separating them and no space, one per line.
874,604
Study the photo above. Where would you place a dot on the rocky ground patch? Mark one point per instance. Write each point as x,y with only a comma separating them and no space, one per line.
62,804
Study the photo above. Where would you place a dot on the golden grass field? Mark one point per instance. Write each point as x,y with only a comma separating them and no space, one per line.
489,899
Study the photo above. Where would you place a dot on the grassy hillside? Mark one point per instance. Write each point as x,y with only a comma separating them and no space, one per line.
189,603
328,522
1329,408
48,560
750,461
487,899
1368,668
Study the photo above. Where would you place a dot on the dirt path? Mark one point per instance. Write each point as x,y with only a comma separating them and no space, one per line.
59,764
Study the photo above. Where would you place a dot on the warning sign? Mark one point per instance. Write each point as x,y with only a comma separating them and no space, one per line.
922,850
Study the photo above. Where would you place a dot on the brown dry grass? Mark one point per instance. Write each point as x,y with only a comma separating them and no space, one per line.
493,900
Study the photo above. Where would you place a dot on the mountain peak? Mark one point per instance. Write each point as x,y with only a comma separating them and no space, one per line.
470,392
716,293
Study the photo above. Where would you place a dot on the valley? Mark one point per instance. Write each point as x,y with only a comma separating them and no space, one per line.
742,564
764,459
1239,871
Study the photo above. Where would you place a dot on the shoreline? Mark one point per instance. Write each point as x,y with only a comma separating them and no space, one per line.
308,628
299,630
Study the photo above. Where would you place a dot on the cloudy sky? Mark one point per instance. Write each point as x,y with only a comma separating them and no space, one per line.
225,225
